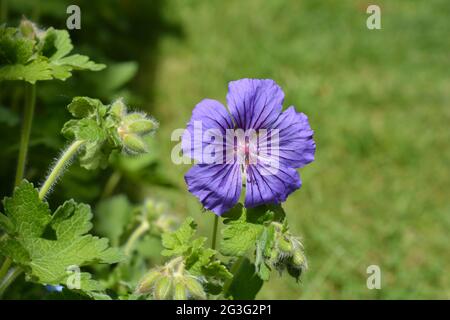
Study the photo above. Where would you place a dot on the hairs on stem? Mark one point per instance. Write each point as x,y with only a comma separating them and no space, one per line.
60,165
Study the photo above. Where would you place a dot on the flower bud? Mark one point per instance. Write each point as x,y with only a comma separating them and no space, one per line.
194,288
141,126
163,289
148,281
130,117
118,108
134,143
284,245
28,29
180,291
298,259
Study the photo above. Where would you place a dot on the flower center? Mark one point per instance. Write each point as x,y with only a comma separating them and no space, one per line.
246,151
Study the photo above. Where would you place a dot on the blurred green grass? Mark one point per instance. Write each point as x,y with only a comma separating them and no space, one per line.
378,192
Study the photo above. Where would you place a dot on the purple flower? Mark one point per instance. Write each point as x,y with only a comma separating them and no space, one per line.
255,143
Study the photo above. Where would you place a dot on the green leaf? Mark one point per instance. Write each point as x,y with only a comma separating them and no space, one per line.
246,283
62,69
82,107
118,75
56,45
80,62
245,226
112,217
39,55
27,213
239,237
6,224
36,70
47,245
178,242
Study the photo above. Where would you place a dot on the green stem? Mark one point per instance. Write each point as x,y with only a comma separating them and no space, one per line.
30,103
111,184
59,167
5,267
9,278
214,235
4,11
129,245
234,269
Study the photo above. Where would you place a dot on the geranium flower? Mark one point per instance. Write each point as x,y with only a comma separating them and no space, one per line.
255,144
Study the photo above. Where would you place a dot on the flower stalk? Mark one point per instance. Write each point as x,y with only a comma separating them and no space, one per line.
137,233
8,279
59,167
30,102
214,235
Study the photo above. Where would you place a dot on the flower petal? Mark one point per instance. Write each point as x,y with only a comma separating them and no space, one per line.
254,103
207,115
265,186
218,187
292,137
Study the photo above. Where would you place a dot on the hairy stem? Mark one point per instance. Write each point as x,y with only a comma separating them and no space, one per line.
8,279
30,102
137,233
59,167
214,235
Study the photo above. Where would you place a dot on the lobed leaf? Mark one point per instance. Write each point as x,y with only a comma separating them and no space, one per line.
47,246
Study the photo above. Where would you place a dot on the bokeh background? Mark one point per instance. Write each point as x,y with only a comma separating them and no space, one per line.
378,192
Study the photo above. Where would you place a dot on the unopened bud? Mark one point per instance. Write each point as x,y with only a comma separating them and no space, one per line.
133,117
141,126
180,291
118,108
134,143
298,259
28,29
284,245
163,289
148,282
195,288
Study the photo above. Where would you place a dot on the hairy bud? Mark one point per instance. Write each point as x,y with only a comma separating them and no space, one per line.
148,282
171,281
195,288
163,289
180,291
134,143
142,126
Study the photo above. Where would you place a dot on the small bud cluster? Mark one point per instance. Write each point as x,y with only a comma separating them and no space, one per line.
133,127
287,252
171,282
29,29
160,220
